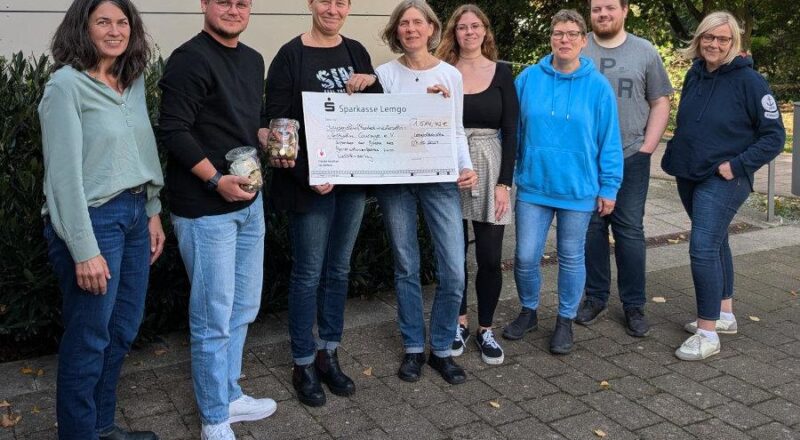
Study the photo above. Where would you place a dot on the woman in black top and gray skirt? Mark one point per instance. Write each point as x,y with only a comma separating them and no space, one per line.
491,111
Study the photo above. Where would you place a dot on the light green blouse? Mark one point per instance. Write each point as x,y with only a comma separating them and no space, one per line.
97,143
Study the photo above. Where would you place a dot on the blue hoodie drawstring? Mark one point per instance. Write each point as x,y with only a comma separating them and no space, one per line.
708,100
569,96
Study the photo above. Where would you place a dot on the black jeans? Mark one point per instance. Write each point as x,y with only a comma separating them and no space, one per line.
626,224
489,279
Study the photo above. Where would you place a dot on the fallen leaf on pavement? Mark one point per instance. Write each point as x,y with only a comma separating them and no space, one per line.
35,410
600,433
494,403
793,293
659,299
4,404
160,352
605,385
368,372
673,241
682,237
26,370
39,372
755,318
9,421
3,309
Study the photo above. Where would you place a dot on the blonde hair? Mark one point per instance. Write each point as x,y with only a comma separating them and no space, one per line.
389,35
713,20
449,50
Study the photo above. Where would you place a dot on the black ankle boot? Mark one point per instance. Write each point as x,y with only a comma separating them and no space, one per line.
411,368
561,341
527,321
329,372
119,434
306,384
451,372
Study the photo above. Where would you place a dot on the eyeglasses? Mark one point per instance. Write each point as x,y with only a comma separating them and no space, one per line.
723,41
474,26
226,5
571,35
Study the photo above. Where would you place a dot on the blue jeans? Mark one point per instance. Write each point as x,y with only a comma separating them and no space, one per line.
711,205
533,222
99,329
224,257
626,224
322,242
441,207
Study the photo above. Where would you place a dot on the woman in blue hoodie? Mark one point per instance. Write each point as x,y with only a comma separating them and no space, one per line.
728,126
569,163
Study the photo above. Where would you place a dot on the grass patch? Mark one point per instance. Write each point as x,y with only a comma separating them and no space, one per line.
786,207
787,112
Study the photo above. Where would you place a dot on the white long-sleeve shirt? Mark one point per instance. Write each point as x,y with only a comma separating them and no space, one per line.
397,78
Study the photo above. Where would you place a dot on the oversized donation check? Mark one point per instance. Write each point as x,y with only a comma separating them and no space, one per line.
380,139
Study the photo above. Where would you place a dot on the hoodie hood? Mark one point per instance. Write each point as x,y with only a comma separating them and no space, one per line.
699,69
546,64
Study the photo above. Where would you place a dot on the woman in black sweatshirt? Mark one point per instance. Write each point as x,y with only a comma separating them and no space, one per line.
728,126
323,220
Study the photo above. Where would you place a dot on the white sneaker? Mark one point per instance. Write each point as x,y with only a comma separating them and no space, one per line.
460,341
723,327
220,431
247,409
697,347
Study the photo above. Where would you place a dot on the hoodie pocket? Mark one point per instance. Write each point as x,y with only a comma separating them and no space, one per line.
558,173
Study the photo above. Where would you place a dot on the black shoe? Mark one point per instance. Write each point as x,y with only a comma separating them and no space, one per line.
561,341
491,352
460,341
525,322
589,311
306,384
636,324
450,371
329,372
411,367
119,434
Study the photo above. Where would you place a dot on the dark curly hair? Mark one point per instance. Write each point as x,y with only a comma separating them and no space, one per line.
72,45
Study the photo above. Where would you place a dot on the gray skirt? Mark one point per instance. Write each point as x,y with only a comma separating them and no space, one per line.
486,153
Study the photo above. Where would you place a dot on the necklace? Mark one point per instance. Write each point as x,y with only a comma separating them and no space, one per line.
470,58
418,73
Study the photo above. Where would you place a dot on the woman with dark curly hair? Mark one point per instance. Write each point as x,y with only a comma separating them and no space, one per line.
101,214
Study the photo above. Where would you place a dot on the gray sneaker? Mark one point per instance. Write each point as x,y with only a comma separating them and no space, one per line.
525,322
723,327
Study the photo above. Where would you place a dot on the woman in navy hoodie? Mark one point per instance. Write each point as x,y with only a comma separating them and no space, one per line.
728,127
569,164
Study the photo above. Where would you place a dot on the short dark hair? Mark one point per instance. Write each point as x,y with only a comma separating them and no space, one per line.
622,3
72,45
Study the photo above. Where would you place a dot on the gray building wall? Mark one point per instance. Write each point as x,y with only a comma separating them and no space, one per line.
28,25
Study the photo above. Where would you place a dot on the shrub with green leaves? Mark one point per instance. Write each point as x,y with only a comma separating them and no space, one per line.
30,301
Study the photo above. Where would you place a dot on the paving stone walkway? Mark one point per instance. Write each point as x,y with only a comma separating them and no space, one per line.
612,386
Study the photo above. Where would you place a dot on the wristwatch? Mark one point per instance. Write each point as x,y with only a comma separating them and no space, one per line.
213,182
504,186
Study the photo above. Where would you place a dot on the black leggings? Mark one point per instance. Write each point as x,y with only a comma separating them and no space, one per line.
489,280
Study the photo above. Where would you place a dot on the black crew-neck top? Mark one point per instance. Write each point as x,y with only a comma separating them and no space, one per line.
497,107
212,102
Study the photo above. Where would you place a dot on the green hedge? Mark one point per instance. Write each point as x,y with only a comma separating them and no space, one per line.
29,296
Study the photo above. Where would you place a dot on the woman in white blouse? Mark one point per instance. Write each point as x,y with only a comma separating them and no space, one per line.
414,31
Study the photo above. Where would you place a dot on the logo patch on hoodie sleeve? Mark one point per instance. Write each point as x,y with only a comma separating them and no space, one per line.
770,107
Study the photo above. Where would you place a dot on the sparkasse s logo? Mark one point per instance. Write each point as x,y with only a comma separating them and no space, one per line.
330,106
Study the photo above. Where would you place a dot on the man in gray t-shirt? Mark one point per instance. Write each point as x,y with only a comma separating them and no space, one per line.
637,75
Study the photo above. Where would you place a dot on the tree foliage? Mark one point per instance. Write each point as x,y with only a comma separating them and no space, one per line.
522,26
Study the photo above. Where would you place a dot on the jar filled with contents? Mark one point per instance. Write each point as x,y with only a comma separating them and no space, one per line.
244,162
283,136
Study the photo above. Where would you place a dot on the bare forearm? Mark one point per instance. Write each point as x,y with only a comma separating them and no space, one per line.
656,124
